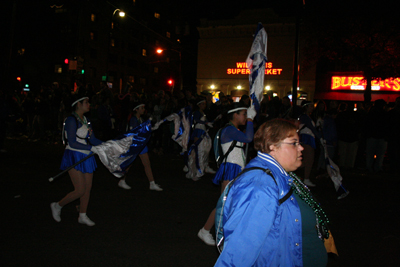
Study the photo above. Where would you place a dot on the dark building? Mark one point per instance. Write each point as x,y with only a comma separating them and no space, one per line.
89,41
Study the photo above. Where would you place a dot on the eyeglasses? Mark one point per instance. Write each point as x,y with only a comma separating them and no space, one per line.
295,144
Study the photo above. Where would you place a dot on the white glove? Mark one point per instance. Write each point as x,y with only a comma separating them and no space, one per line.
155,127
218,117
94,149
210,124
251,112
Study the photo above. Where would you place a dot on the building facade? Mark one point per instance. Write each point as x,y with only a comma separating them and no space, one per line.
224,46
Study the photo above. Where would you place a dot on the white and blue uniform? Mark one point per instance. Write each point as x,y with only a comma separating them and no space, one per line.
203,148
236,159
78,146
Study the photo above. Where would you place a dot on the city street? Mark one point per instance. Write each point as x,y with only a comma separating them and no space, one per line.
139,227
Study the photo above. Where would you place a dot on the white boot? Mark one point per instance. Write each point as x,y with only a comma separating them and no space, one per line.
123,184
56,211
209,170
84,219
206,236
154,186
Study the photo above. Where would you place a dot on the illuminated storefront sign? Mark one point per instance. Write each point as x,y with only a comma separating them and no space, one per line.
359,83
241,68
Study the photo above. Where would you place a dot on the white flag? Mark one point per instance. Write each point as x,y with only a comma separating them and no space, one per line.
256,64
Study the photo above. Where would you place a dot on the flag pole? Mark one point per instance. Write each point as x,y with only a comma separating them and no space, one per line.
51,179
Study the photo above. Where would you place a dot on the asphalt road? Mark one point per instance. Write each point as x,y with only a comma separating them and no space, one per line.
139,227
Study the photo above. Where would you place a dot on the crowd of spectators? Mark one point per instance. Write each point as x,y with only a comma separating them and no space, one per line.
360,136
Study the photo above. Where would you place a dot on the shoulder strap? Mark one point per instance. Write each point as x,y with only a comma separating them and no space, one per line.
267,171
64,138
231,147
288,194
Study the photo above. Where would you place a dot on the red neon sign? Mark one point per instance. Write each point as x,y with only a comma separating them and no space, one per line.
241,68
359,83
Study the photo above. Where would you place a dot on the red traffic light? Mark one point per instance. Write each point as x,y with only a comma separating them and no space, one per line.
19,79
170,81
66,61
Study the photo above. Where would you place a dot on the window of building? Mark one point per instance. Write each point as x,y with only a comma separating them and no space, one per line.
155,69
93,17
168,34
58,69
144,52
157,15
59,10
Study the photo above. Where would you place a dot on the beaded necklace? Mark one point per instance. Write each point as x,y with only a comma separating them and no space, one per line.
304,193
83,122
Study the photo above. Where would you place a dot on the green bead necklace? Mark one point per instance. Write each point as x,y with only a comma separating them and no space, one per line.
304,193
83,122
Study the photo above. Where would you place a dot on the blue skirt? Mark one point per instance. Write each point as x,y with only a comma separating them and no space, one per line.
226,172
144,151
71,157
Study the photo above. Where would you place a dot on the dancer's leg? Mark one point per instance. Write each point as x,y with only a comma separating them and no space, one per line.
78,180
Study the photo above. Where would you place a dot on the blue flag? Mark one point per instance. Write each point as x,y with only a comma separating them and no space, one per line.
119,153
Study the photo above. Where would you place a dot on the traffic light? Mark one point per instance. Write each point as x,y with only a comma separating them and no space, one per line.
19,79
66,61
170,82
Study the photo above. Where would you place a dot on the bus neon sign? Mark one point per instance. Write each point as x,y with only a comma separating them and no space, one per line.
241,68
359,83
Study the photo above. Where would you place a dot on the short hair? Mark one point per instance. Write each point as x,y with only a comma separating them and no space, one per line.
271,133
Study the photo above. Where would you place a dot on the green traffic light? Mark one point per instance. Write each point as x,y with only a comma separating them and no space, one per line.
82,71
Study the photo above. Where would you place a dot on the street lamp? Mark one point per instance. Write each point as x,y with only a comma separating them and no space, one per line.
160,51
121,14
